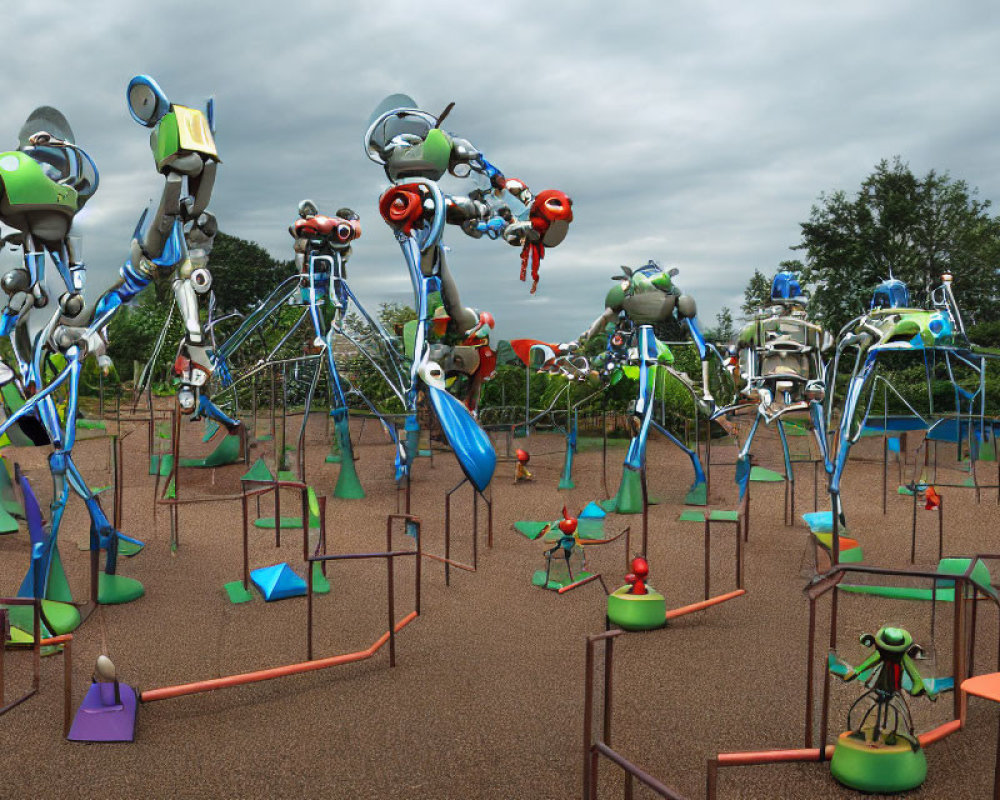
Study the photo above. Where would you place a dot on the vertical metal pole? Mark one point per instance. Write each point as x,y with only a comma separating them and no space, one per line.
708,553
67,686
527,400
825,710
810,653
588,716
609,666
940,528
885,471
391,594
4,627
447,539
246,544
475,527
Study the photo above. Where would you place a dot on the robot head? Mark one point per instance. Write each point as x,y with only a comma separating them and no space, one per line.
147,102
47,138
891,293
406,141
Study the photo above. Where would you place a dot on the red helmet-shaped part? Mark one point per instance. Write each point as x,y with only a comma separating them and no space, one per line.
568,525
640,567
522,456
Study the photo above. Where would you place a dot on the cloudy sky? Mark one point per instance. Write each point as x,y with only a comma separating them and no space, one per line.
695,133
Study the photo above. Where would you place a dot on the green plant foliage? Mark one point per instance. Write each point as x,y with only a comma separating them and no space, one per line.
915,229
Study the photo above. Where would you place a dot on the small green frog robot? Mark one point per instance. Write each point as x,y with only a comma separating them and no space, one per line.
876,756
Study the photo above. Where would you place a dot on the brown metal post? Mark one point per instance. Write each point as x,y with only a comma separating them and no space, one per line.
419,564
810,649
645,510
489,518
67,685
739,551
4,628
712,778
390,583
475,527
609,666
940,511
246,544
708,460
957,647
309,610
322,530
913,531
588,719
447,538
825,710
885,470
277,505
708,554
36,630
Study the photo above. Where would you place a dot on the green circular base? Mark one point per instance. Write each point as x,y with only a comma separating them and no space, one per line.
637,612
879,767
113,590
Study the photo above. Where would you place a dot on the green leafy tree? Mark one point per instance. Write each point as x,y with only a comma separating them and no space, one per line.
243,273
756,294
724,327
912,228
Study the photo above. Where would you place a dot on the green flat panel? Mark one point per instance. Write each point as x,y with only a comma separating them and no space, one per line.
532,529
764,475
287,523
236,593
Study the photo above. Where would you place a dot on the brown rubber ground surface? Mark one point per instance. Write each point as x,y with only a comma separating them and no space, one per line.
486,699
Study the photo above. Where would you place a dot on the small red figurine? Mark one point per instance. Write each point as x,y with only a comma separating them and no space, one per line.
637,577
932,498
521,468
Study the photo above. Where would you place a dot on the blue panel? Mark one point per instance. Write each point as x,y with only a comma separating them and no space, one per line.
278,582
472,446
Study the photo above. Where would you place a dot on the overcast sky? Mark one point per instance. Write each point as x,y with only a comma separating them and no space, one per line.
695,133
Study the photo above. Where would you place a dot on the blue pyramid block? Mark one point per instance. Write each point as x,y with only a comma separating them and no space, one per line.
592,511
278,582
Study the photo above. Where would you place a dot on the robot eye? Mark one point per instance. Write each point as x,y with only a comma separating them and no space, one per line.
344,232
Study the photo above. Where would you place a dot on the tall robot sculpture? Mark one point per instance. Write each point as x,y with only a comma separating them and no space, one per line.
641,298
45,182
416,153
173,242
891,326
779,364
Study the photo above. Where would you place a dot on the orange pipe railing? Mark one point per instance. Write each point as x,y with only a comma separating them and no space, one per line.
197,687
703,604
756,757
938,733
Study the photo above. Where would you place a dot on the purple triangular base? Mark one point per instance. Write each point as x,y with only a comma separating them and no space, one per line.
97,722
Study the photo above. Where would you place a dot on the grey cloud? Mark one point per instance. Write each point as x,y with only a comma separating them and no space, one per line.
695,133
